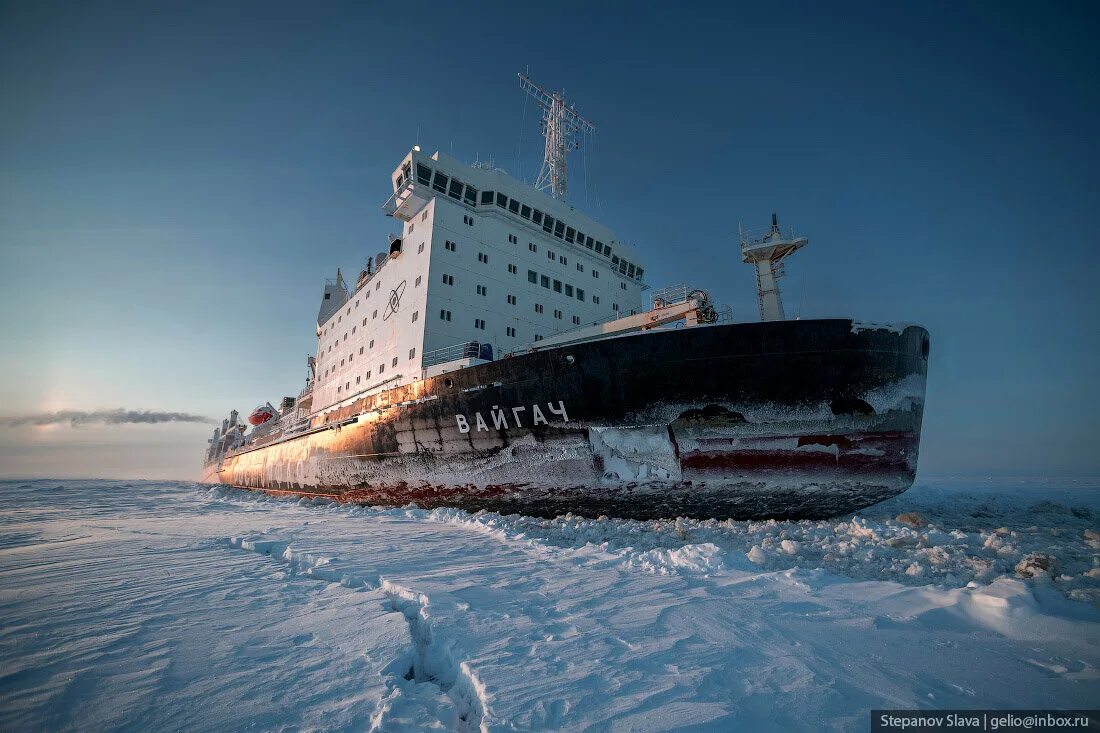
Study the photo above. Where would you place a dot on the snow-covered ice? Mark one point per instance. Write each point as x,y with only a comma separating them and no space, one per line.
185,607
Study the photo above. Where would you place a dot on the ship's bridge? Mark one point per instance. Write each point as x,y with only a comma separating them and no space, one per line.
487,190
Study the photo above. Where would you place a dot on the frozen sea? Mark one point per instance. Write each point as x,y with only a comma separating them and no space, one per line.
176,606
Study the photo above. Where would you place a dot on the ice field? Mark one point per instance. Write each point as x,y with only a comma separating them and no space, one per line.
176,606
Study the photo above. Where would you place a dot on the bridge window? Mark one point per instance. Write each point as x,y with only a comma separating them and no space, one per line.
423,174
486,198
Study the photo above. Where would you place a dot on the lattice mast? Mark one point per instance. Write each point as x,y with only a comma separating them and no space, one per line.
561,126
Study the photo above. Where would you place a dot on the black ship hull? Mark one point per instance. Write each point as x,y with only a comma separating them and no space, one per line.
789,419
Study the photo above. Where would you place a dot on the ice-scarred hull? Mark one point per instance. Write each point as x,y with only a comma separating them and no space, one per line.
779,419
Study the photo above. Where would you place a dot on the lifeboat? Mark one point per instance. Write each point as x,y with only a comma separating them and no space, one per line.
261,414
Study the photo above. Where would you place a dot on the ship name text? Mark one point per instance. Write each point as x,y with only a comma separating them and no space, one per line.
499,417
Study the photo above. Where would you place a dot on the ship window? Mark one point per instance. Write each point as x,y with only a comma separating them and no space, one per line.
599,247
328,295
482,290
547,223
580,294
538,308
444,315
371,345
525,211
537,337
557,286
358,379
580,267
550,254
471,195
630,270
596,274
455,191
576,320
545,281
588,242
412,353
512,269
513,206
338,389
615,260
502,200
580,237
557,314
511,331
569,290
596,299
394,363
536,217
416,314
439,183
559,229
419,278
482,257
423,174
569,232
511,300
641,272
532,246
532,276
360,351
368,374
381,368
614,306
607,250
486,198
564,261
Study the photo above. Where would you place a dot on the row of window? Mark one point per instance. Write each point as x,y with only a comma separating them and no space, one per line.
460,191
381,369
558,286
346,386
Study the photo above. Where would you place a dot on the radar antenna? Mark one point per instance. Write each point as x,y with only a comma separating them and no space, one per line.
560,125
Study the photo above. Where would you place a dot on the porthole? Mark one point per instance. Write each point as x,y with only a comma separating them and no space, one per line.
449,383
570,359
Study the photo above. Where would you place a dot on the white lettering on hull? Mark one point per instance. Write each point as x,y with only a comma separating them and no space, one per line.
500,417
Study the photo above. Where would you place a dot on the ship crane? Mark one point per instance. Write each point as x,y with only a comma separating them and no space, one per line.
669,306
767,253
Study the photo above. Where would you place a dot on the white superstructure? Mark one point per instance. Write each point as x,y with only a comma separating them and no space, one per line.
484,266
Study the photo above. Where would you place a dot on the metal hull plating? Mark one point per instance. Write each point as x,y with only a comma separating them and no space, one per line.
782,419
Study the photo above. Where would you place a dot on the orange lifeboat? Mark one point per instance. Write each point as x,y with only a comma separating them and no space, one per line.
261,415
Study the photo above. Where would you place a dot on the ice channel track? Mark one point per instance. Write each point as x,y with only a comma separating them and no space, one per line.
430,661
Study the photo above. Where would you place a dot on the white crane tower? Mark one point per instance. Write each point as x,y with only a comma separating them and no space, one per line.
560,125
767,253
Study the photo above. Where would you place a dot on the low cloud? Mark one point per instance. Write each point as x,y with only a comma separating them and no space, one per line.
77,418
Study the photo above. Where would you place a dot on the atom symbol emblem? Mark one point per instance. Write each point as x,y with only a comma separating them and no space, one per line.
395,301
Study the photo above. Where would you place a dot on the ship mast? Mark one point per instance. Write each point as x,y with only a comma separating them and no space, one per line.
767,253
560,125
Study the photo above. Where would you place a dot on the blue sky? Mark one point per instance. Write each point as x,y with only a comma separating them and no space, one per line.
176,181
